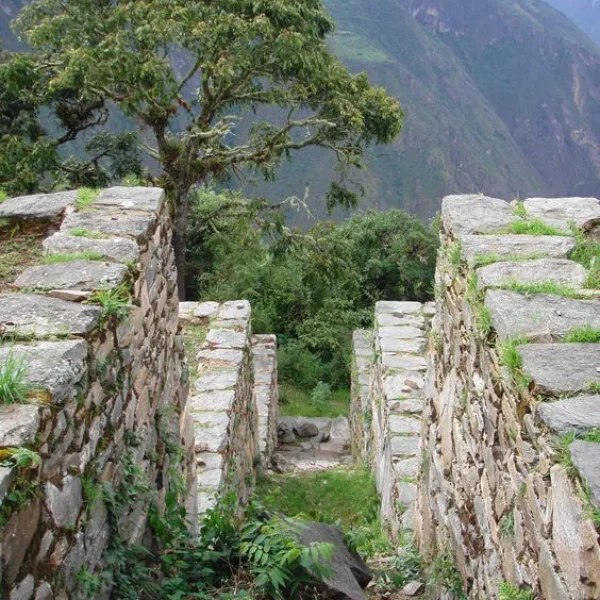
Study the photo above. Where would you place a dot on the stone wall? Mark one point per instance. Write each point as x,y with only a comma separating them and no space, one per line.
97,342
387,427
505,491
233,400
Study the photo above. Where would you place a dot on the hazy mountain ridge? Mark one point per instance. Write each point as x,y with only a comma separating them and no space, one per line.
584,13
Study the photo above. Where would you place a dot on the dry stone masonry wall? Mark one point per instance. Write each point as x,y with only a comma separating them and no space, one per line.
97,344
511,460
386,424
232,410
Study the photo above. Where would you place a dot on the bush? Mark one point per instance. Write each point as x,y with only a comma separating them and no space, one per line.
321,395
299,366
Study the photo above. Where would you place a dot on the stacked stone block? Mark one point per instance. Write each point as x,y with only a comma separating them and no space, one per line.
222,405
105,388
360,399
266,393
388,425
501,491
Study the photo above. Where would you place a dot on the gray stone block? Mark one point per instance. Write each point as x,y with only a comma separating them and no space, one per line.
404,445
64,504
31,314
38,207
117,223
215,401
586,458
398,308
19,424
542,317
561,212
475,213
226,338
115,248
561,271
86,275
132,198
54,366
579,414
510,246
560,369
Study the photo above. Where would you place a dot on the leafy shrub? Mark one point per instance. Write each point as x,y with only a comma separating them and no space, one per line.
321,395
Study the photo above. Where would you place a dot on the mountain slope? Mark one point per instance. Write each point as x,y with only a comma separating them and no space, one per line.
584,13
501,96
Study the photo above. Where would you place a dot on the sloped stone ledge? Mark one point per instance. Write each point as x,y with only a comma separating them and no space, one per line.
501,388
363,355
105,394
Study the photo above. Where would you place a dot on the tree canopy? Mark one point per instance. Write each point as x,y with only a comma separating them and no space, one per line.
193,76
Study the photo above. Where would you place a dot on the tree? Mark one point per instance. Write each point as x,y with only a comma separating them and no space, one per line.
194,73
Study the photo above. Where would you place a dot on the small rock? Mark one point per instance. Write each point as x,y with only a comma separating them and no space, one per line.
413,588
285,433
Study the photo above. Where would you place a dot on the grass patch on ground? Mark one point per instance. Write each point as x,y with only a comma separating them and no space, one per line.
541,287
533,227
482,260
13,388
86,197
346,497
63,258
193,338
511,358
294,402
17,253
583,335
86,233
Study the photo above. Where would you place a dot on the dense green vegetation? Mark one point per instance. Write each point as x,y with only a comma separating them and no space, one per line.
311,289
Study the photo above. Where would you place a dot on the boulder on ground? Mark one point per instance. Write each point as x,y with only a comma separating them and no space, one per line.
285,433
349,573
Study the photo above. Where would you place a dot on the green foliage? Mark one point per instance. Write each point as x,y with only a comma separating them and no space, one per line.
442,573
62,258
455,255
115,301
507,591
513,361
86,197
583,335
587,253
533,227
321,395
82,232
346,497
507,524
295,401
311,289
519,209
21,458
483,260
3,196
13,388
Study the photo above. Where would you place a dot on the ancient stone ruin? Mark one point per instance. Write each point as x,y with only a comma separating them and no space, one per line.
478,413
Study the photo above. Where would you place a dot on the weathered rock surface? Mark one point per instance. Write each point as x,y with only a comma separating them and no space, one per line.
119,223
561,271
87,275
560,369
117,249
511,246
562,212
64,504
285,433
476,213
132,198
349,575
53,366
30,314
579,414
38,207
586,458
19,424
540,318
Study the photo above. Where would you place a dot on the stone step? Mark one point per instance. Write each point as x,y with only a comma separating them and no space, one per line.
513,246
586,459
117,249
562,213
84,275
577,415
39,207
557,270
562,369
540,317
39,316
476,213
